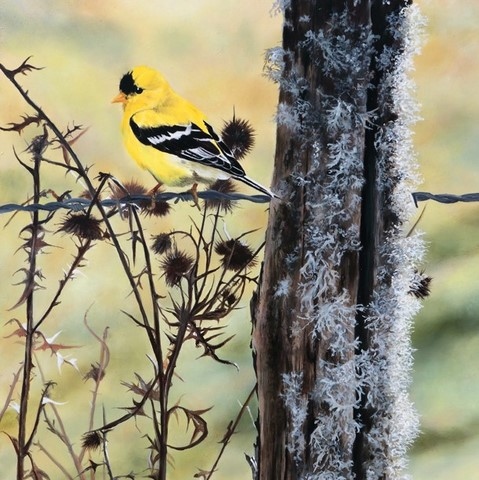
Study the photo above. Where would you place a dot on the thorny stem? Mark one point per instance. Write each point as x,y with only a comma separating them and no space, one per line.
102,364
161,430
155,339
57,427
184,319
230,432
82,249
11,389
54,461
207,248
39,411
105,450
22,449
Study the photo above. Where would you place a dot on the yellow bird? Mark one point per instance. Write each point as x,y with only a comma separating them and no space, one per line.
168,136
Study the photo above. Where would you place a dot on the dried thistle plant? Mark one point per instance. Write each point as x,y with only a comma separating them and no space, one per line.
184,284
83,226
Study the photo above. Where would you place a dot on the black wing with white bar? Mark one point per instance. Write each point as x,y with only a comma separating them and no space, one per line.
190,142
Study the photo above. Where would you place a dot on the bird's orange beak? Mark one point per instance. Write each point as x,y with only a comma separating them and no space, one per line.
120,98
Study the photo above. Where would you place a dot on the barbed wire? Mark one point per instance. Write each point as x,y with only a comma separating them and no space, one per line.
444,197
77,204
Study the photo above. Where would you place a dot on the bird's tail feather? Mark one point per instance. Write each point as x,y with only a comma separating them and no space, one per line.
257,186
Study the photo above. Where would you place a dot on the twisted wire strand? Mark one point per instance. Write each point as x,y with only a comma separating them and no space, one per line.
77,204
445,197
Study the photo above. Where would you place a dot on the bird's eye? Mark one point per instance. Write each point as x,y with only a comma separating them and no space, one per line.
138,90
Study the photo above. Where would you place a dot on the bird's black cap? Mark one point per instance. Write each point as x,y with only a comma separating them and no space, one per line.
127,84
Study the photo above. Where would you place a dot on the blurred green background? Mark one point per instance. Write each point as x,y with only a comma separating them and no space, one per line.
212,52
446,374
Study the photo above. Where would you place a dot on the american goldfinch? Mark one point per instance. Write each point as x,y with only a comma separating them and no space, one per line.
168,136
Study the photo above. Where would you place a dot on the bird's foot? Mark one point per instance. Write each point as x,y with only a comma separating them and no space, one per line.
152,193
193,191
